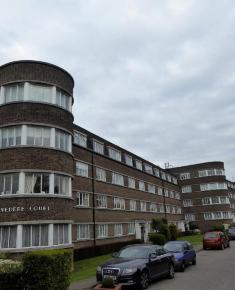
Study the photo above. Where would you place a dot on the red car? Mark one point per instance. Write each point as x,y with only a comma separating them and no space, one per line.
216,239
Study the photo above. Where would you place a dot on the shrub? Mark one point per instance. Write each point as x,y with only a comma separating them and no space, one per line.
11,275
218,228
157,239
164,230
47,269
173,232
108,283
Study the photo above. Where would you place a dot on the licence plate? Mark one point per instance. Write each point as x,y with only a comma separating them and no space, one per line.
110,276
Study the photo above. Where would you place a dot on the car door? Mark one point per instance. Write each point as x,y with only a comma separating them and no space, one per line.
187,253
191,252
163,260
155,263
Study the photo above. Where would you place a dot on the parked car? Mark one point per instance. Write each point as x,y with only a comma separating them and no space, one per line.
231,233
215,239
138,265
184,253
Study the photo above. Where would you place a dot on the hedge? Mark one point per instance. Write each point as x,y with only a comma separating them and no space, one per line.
157,239
11,275
47,270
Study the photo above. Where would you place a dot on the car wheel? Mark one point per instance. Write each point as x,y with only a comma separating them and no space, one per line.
182,267
171,273
194,261
144,280
222,246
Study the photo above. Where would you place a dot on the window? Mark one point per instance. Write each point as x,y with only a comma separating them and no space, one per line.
131,182
217,215
179,210
148,168
185,175
173,209
100,174
153,207
117,179
82,169
131,228
60,234
118,230
166,192
157,172
208,216
83,199
14,93
10,136
168,208
40,93
151,188
83,232
101,201
39,136
143,206
177,195
189,217
163,175
115,154
119,203
215,200
141,186
213,186
102,231
62,184
129,160
80,139
187,202
186,189
62,99
9,183
98,147
210,172
36,93
37,183
62,140
161,208
159,191
138,164
35,235
133,205
168,176
8,235
172,194
174,180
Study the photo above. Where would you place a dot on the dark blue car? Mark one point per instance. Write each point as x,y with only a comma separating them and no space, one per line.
184,253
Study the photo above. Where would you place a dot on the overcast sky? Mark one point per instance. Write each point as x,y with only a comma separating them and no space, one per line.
155,77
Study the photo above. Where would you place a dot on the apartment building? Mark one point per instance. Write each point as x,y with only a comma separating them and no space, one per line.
62,186
208,198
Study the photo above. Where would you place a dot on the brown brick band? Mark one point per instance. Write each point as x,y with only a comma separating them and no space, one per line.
36,71
36,159
35,113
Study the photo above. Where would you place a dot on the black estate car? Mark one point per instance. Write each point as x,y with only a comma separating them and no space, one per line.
138,265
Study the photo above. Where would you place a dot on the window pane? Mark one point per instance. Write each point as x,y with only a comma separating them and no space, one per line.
26,240
35,235
44,235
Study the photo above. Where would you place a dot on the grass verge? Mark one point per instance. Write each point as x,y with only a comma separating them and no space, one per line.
86,268
195,240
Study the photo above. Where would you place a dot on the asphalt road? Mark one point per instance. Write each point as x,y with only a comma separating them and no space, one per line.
215,270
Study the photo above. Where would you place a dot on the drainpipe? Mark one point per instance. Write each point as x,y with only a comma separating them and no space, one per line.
164,200
93,199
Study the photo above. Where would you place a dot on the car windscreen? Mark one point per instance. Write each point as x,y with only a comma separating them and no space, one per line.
211,235
134,252
173,247
231,230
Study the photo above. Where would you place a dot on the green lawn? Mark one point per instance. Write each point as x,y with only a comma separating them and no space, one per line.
86,268
194,240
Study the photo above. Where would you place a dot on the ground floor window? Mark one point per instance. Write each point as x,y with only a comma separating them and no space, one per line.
102,231
8,236
83,232
34,235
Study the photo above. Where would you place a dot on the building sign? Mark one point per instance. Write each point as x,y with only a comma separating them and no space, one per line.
32,208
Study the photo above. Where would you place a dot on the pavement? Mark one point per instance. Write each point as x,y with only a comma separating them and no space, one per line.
88,284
